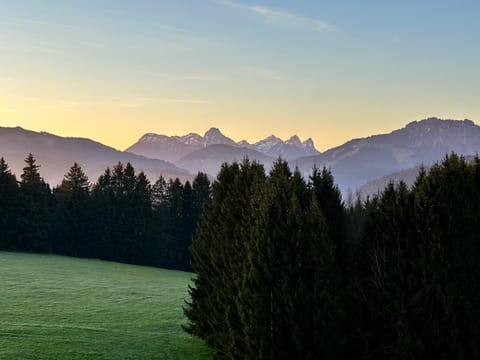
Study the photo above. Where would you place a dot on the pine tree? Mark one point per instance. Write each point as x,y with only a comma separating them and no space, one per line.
380,272
9,207
219,254
319,308
330,201
103,213
139,218
456,203
31,175
202,189
159,190
266,278
174,206
73,235
37,205
296,266
159,227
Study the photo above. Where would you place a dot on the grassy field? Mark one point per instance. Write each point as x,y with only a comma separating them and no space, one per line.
54,307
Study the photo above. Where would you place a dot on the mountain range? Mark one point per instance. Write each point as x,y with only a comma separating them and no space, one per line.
420,142
55,154
354,164
175,148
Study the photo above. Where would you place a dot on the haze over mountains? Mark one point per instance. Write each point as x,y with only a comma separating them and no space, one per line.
420,142
353,164
174,148
56,154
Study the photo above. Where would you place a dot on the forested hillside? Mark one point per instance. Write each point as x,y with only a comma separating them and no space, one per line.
121,217
286,271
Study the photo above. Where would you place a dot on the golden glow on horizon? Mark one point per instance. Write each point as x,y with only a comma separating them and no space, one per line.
165,68
120,120
121,126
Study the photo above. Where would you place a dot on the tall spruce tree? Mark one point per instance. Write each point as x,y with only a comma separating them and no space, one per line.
302,288
381,265
319,300
102,202
9,207
73,218
202,189
330,201
37,204
219,253
456,200
266,277
139,218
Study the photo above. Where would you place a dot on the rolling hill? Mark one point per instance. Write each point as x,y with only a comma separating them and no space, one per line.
56,154
55,308
210,159
353,164
420,142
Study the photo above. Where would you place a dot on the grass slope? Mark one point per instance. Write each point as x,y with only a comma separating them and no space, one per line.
54,307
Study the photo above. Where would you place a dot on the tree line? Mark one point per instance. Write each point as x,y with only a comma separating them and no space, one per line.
286,271
122,217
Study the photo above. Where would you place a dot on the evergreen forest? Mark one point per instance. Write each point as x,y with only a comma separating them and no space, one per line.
122,217
284,268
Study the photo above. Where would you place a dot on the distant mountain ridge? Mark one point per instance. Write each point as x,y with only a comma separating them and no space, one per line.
371,160
55,154
209,159
359,161
408,176
174,148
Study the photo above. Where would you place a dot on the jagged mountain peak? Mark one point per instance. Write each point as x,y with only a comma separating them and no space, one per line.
215,137
294,140
272,139
191,139
152,138
175,147
212,131
309,143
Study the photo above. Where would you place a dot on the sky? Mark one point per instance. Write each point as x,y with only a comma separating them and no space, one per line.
113,70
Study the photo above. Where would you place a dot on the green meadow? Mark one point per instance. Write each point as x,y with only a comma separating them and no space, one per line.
54,307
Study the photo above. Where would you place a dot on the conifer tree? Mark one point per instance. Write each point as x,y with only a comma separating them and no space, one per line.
73,219
9,207
37,204
139,217
319,310
330,201
159,190
266,278
159,227
102,200
219,253
303,294
175,215
201,187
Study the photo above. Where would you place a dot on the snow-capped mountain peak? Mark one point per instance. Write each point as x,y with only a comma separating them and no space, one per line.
152,138
268,142
308,143
215,137
294,140
172,148
244,143
191,139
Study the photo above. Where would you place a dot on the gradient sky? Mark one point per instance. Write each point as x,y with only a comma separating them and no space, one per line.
113,70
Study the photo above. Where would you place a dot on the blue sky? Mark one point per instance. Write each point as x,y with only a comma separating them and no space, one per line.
113,70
